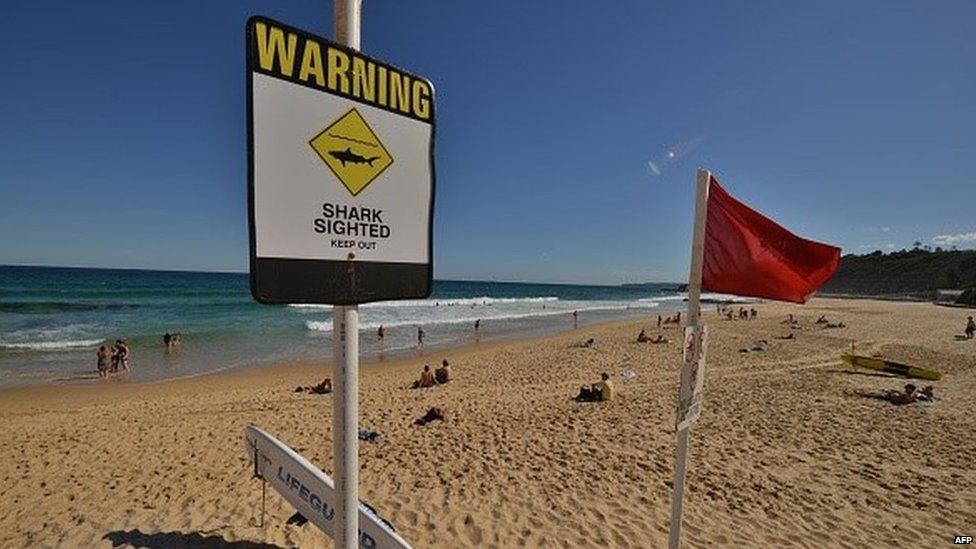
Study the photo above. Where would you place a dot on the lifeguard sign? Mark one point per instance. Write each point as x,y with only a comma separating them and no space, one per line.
340,173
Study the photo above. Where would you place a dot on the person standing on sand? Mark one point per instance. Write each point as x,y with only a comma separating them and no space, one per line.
103,356
124,355
575,319
115,355
970,328
420,337
380,334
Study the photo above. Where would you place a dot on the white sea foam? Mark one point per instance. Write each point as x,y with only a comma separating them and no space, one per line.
499,315
52,345
706,297
456,302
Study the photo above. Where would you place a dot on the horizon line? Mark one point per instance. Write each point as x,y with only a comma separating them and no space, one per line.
145,269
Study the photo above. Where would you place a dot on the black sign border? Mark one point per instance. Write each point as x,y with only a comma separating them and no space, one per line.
319,281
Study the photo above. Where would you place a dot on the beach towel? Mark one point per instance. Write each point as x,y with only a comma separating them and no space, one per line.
369,436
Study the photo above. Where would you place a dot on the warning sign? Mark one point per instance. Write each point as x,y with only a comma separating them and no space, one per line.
692,376
341,172
352,151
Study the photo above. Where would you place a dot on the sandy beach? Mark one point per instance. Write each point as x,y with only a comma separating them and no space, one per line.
784,454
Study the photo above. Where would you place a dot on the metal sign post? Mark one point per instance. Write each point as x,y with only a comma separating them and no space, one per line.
689,382
345,357
341,200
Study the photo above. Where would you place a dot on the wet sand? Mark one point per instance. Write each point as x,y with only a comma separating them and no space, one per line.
785,452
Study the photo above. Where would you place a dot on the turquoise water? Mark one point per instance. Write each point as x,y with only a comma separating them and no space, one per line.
52,320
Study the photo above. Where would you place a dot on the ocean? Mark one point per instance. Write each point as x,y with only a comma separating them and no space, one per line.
52,320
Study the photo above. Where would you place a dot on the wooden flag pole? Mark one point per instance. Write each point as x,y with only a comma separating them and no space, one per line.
693,315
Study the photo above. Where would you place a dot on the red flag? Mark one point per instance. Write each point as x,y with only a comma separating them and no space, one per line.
748,254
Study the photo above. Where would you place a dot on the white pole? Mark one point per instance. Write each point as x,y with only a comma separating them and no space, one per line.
345,423
345,354
694,310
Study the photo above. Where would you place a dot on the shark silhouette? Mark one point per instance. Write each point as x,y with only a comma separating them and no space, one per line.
351,157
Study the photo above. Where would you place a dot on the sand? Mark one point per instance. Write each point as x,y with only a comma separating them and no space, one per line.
784,454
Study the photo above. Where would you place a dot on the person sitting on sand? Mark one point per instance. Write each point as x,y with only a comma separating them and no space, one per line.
443,374
970,328
753,313
642,337
604,388
426,379
822,319
597,392
789,319
323,388
103,356
589,343
728,315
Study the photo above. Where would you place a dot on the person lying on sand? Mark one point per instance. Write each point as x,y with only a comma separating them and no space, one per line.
426,379
434,414
757,347
791,335
835,325
660,339
443,374
323,388
822,319
910,395
788,320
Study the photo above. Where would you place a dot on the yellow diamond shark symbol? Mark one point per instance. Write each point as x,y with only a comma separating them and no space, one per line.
352,151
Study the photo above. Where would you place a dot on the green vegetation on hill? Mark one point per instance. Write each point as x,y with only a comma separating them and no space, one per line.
918,272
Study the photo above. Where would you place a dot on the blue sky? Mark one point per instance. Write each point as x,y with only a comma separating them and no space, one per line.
854,123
